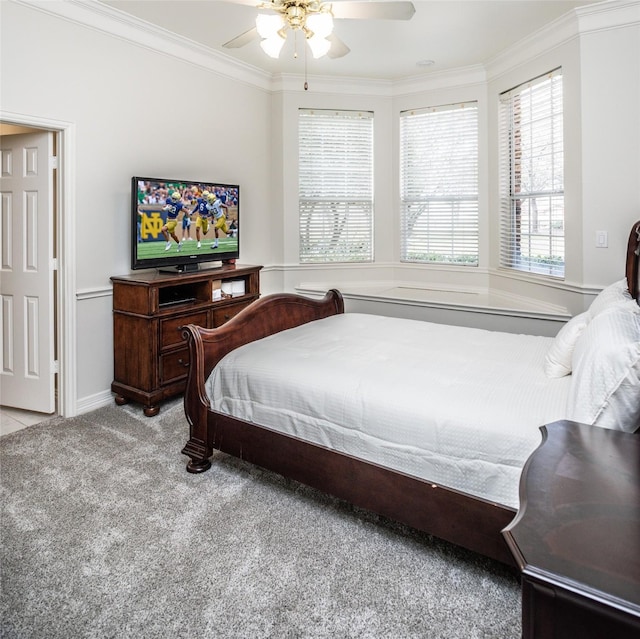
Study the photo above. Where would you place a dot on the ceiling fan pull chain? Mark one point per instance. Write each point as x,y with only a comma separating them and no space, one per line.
306,84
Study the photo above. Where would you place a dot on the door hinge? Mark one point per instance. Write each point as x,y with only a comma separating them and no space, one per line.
53,162
54,263
56,367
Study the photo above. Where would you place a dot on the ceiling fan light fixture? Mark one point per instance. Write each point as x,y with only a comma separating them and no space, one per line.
273,45
319,46
296,14
315,19
321,24
312,17
268,25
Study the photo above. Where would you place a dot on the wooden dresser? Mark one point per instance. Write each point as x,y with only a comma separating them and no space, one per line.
576,537
150,356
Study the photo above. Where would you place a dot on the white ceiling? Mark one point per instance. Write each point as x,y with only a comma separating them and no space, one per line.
452,33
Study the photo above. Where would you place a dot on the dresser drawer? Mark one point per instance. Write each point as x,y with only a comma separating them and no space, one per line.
170,334
174,366
224,314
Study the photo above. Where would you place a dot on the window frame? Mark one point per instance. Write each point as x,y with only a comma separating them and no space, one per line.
443,196
521,223
335,186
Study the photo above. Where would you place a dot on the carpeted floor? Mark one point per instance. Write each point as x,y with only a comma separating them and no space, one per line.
104,534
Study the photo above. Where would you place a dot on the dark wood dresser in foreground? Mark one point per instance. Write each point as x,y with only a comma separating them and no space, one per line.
576,537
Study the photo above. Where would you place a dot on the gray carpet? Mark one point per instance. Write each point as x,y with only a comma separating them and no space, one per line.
104,534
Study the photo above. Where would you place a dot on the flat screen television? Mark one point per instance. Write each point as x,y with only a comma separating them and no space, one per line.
179,224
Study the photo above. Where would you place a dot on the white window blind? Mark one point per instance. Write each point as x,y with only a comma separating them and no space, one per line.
439,184
532,177
335,186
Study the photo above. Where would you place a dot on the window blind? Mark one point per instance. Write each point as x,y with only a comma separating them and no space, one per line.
439,184
532,177
335,186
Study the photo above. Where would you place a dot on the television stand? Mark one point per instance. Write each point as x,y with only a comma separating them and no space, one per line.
150,356
186,300
190,268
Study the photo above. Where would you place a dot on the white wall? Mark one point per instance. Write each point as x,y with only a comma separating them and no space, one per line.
179,110
610,99
136,112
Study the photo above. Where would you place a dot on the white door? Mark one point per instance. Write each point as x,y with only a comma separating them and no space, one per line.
27,377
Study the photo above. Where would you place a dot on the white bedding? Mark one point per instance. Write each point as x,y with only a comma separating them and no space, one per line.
460,407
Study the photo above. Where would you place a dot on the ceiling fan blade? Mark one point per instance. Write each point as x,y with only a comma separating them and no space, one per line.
242,39
373,10
338,47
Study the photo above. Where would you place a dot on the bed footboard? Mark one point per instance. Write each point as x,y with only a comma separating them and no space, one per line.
267,316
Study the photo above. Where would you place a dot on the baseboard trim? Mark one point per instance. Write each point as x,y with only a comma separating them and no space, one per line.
93,402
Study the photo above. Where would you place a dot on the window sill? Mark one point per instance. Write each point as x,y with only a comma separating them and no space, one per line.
488,301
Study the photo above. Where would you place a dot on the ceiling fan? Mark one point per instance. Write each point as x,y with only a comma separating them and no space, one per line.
314,19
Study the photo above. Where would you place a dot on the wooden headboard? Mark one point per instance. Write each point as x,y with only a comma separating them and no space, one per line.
633,258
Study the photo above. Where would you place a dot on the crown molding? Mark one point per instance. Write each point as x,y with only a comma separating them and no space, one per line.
557,32
609,14
292,83
464,76
435,80
115,23
118,24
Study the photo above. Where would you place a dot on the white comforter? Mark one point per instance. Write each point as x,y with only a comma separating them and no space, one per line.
460,407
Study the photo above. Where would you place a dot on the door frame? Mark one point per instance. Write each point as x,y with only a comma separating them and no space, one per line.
65,243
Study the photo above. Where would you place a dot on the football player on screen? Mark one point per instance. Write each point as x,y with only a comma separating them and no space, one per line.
202,219
215,207
190,194
173,207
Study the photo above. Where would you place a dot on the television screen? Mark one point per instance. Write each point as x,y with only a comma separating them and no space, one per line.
178,224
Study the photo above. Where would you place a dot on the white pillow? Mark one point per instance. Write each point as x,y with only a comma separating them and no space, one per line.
605,389
557,362
612,294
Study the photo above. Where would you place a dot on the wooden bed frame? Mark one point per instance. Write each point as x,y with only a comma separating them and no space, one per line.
451,515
